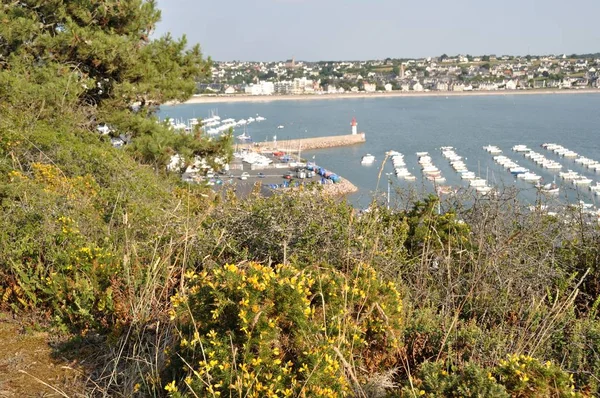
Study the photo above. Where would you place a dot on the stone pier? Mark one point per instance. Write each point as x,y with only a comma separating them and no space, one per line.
305,144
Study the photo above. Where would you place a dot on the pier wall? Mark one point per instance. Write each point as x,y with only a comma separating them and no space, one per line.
305,144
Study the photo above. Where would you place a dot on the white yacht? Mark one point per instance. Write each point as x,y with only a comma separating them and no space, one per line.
244,137
367,159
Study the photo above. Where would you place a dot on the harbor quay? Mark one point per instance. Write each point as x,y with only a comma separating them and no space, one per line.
302,144
284,172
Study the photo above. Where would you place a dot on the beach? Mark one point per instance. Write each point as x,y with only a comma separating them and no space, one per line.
207,99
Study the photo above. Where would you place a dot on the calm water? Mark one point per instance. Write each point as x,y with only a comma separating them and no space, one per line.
415,124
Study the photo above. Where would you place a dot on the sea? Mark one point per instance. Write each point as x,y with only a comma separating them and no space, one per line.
425,124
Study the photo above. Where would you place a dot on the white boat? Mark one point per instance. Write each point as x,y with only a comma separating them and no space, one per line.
484,190
244,137
402,172
280,126
595,188
493,149
410,177
478,182
438,179
367,159
568,175
469,175
550,188
570,154
529,177
581,180
521,148
260,119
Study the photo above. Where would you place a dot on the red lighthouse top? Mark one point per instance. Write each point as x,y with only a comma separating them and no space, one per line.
353,122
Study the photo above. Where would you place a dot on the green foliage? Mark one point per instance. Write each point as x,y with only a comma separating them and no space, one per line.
517,376
90,63
436,380
524,376
259,331
306,229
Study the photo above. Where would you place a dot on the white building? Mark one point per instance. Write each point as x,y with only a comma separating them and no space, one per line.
370,87
262,88
417,87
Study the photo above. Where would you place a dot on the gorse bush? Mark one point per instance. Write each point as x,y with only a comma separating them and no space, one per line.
518,376
254,330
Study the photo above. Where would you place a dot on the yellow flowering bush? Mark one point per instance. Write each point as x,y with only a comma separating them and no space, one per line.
259,331
525,376
439,379
519,376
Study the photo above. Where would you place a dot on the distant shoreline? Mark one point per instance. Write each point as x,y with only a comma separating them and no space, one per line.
203,99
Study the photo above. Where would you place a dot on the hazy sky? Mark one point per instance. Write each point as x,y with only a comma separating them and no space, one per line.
312,30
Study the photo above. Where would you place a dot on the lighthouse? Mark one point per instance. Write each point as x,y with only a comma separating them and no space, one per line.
354,126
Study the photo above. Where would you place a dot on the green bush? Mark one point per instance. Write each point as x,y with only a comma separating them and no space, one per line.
253,330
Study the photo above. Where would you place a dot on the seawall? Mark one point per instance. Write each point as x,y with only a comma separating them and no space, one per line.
305,144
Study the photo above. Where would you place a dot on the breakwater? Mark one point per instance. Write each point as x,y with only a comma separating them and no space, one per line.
305,144
340,188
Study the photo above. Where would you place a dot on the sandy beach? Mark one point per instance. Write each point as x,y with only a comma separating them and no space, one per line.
207,99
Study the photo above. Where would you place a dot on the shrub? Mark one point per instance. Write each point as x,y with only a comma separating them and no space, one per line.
254,330
524,376
436,379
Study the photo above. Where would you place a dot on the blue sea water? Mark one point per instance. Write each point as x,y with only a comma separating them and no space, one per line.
415,124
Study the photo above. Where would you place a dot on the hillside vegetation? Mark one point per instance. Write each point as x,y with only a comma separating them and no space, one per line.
163,288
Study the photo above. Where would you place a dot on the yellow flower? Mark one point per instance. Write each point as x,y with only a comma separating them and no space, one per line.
171,387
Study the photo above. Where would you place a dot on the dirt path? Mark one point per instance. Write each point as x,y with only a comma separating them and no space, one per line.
26,363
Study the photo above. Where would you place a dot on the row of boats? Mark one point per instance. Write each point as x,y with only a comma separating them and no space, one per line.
573,176
214,124
400,168
429,170
581,160
456,162
432,173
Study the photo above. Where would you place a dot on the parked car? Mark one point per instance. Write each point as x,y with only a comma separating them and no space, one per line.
261,175
244,176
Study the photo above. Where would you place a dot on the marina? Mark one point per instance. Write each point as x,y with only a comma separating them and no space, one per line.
411,125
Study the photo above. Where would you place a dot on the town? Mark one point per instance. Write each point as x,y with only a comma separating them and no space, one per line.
442,73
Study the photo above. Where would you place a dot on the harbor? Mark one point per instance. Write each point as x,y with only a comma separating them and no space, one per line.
265,167
427,124
272,172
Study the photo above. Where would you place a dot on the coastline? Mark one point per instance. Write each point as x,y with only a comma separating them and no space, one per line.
205,99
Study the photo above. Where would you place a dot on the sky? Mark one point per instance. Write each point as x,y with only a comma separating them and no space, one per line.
321,30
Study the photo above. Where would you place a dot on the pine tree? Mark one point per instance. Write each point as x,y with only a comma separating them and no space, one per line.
96,61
